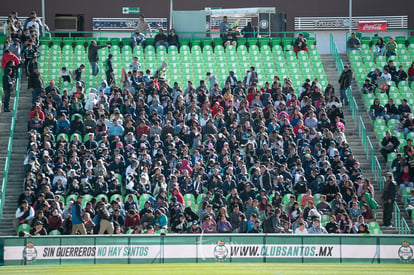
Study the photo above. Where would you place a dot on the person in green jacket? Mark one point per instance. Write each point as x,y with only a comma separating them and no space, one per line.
391,47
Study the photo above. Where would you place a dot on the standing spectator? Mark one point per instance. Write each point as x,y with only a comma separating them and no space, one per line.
35,84
105,224
137,38
93,56
109,70
345,81
77,74
77,218
388,197
353,43
7,88
9,60
224,27
143,26
300,44
389,144
391,47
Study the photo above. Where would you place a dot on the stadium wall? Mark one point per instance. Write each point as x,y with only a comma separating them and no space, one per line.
63,250
113,9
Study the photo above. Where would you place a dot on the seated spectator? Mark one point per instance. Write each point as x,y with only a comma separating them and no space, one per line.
410,203
332,226
376,110
353,43
316,227
400,75
38,230
161,39
173,39
379,47
209,224
391,110
391,47
368,87
231,37
300,44
137,38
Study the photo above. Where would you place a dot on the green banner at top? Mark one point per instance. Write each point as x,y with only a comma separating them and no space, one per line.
130,10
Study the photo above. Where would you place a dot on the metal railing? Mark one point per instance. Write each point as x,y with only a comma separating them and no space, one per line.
399,222
10,145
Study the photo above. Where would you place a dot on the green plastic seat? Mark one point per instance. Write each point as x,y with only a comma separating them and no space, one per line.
55,233
102,196
70,197
23,227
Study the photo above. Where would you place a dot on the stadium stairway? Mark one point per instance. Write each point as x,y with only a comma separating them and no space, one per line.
351,132
16,170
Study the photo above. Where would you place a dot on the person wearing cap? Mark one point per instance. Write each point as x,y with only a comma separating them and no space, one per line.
194,228
345,82
38,229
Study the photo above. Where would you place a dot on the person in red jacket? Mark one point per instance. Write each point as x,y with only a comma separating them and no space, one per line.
176,193
7,57
132,219
39,111
143,129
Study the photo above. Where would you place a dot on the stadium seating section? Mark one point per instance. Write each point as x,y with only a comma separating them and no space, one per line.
191,61
363,62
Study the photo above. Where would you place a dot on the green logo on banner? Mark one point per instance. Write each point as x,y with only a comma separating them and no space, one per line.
405,252
29,253
221,251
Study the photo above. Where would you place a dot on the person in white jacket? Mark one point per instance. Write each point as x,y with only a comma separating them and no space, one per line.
24,214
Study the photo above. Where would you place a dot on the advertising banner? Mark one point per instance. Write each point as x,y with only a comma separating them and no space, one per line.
61,250
372,26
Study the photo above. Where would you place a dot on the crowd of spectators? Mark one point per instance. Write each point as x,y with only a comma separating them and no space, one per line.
255,159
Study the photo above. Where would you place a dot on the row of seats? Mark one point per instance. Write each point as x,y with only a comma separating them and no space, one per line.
262,41
193,64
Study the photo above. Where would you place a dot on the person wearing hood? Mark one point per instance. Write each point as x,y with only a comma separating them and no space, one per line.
176,193
316,227
185,165
105,88
92,100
